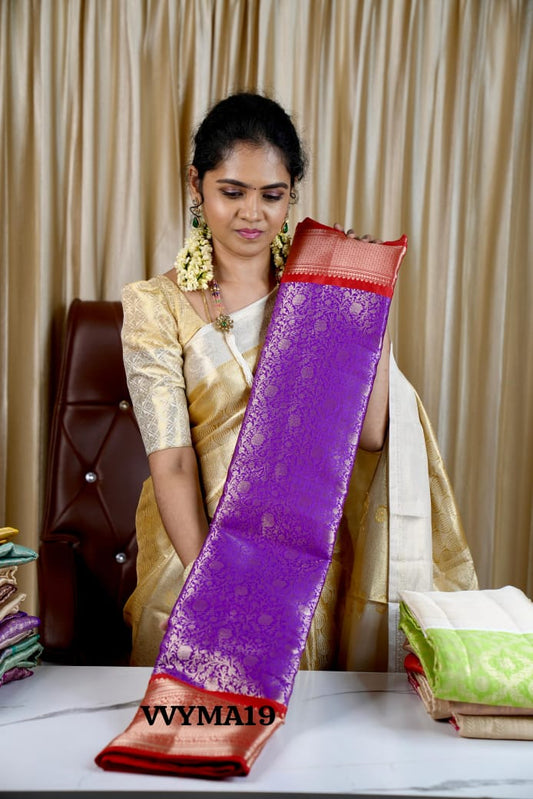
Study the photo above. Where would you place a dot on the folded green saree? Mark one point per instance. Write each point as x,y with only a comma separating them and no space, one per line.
474,646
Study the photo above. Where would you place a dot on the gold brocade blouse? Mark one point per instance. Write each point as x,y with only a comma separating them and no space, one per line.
187,387
185,384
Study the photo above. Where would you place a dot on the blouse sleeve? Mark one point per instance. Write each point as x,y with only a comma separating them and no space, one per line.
153,362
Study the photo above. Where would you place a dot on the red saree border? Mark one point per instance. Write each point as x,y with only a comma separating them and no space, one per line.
181,742
412,663
325,256
135,761
256,701
343,282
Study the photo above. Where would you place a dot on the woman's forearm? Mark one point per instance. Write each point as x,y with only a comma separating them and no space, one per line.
179,499
377,415
376,421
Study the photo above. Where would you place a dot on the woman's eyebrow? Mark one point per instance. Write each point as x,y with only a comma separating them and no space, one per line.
279,185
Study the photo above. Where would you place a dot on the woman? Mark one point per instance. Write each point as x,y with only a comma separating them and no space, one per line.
191,342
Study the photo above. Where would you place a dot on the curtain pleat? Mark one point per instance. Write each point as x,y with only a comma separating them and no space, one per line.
417,117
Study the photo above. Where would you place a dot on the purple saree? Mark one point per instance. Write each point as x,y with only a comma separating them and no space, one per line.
228,660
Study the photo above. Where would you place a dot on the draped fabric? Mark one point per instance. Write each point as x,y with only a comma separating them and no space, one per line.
240,624
417,117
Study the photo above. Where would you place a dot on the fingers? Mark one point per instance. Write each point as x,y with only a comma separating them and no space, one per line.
351,235
369,238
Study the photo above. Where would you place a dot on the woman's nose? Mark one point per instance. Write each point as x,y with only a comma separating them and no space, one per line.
250,209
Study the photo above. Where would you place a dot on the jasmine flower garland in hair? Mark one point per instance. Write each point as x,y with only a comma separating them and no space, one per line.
280,249
194,264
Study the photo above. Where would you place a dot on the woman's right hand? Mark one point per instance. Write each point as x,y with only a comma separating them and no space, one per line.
179,499
351,235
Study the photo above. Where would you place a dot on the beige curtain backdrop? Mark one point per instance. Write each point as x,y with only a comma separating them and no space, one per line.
418,118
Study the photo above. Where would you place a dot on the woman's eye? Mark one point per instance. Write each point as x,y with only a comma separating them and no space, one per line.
234,194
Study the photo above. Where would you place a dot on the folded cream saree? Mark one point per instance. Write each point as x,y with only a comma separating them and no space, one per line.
473,659
474,646
226,666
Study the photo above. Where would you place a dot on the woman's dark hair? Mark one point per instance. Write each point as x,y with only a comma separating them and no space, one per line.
250,118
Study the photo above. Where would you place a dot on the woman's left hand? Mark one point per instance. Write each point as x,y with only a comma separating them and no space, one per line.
351,235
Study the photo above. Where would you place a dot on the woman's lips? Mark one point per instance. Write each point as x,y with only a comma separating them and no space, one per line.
249,233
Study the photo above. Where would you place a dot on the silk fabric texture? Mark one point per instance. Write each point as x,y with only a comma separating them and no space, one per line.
202,382
236,634
474,720
476,652
215,401
474,646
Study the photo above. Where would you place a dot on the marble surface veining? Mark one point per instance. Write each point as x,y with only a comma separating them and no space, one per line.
345,733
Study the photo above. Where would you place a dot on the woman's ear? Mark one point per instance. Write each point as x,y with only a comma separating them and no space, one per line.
194,183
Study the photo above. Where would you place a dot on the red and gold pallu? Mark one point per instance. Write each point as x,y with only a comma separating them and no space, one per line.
228,660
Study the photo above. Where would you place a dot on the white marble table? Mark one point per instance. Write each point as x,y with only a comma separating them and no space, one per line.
345,733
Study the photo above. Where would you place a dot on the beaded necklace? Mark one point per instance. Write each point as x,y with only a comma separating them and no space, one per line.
223,320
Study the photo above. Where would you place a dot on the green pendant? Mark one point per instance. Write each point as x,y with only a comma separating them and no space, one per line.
224,322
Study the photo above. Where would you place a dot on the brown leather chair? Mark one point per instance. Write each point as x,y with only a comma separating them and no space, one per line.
96,467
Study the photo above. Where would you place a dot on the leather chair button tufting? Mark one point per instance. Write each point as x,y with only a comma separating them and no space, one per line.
93,433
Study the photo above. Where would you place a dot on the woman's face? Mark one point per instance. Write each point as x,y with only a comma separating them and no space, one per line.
246,199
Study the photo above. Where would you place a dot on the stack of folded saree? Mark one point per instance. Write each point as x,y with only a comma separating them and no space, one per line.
19,639
471,659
